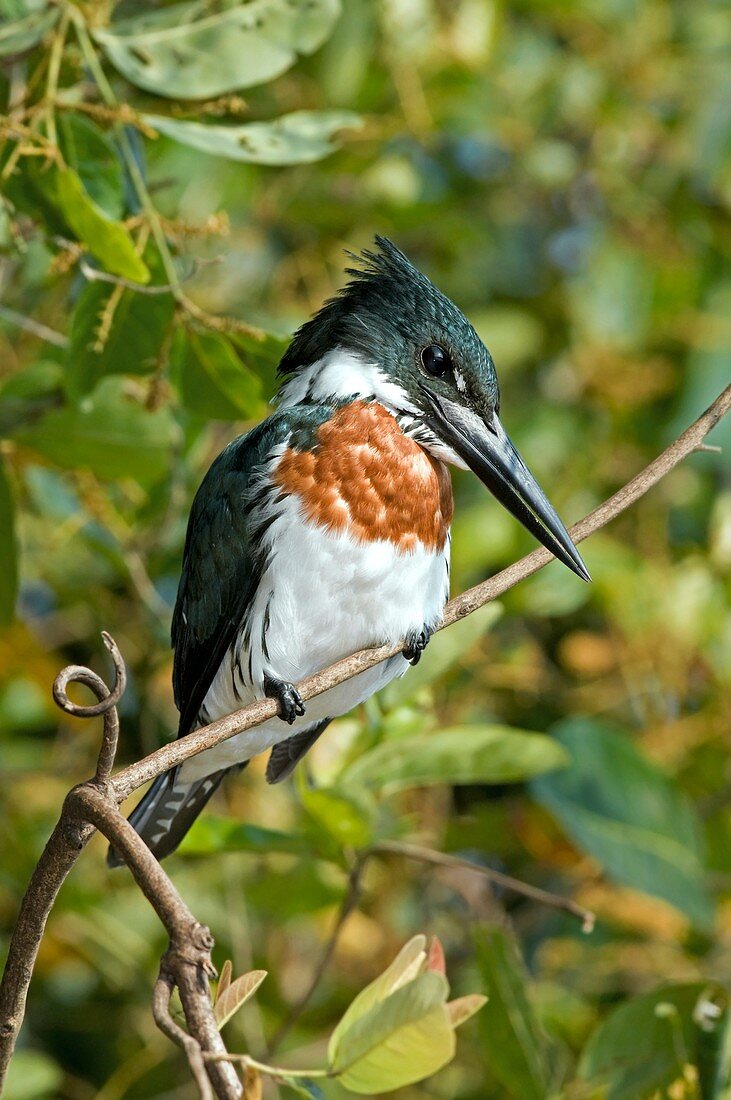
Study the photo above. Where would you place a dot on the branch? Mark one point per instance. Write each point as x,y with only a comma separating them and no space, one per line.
187,962
94,804
177,752
36,328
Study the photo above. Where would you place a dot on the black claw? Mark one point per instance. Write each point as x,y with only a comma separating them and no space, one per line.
416,644
289,699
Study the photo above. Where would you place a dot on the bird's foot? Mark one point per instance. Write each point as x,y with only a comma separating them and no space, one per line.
416,643
289,699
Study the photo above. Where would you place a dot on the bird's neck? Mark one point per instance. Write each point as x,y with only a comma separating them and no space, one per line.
341,376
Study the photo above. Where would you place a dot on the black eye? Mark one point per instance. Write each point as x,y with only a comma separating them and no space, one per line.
435,361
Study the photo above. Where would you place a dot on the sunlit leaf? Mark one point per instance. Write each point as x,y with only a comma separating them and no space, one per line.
57,197
297,138
645,1044
8,550
224,980
185,52
514,1045
403,969
400,1040
466,754
464,1008
231,999
622,809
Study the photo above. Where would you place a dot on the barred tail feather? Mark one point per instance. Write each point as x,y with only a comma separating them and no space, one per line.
168,810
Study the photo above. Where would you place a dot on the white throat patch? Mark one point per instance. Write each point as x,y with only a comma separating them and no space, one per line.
341,373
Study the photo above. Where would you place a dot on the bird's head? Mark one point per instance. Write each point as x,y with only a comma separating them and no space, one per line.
391,336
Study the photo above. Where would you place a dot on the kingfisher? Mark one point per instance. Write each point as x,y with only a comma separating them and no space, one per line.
326,528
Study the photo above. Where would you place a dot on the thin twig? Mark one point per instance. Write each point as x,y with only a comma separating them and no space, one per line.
348,904
96,275
177,752
443,859
107,704
437,859
161,1014
36,328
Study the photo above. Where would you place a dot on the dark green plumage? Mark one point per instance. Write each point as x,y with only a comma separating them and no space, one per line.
223,558
387,313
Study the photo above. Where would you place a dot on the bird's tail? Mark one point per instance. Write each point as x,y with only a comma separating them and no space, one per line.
168,810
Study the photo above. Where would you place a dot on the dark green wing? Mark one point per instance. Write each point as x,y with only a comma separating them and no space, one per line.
222,560
220,569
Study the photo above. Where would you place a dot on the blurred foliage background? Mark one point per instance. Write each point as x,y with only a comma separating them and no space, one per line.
561,171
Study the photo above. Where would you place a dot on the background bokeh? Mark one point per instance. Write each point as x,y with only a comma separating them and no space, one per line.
561,171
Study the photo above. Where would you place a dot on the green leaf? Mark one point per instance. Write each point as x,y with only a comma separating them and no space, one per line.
93,157
132,341
643,1046
515,1047
262,356
8,550
211,379
463,1009
236,994
27,392
404,968
183,53
109,434
465,754
56,197
399,1041
32,1076
445,649
297,138
24,33
222,834
627,814
106,239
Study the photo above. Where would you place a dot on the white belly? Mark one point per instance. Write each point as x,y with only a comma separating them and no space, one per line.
322,597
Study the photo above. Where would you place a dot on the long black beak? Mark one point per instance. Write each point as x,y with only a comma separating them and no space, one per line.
489,453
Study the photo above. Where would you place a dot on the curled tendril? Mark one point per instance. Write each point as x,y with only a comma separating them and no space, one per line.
79,674
107,705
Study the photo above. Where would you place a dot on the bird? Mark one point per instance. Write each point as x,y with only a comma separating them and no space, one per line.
326,528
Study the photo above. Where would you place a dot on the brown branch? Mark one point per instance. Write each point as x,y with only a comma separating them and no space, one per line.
443,859
187,962
177,752
95,801
161,995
